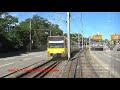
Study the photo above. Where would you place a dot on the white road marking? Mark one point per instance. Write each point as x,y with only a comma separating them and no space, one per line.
96,57
117,59
26,59
7,64
103,64
37,56
25,54
95,52
118,52
9,58
111,56
33,53
107,50
106,55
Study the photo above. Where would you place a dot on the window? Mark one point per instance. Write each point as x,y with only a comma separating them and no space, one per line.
56,45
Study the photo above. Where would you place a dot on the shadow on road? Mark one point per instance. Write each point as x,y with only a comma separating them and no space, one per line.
59,58
16,53
73,56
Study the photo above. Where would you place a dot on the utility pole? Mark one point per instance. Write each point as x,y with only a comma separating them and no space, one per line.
68,34
30,35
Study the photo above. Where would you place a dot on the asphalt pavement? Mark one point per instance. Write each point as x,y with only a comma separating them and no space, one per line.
21,61
110,58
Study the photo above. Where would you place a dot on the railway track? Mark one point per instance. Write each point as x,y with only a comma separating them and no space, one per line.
80,67
73,69
37,70
83,66
44,70
60,67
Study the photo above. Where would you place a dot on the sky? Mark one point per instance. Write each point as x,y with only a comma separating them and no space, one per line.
106,23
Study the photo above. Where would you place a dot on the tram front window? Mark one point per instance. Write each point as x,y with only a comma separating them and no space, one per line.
56,45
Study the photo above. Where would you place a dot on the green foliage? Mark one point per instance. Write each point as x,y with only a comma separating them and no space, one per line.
18,37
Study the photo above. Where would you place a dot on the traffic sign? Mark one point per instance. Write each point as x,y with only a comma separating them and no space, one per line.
115,37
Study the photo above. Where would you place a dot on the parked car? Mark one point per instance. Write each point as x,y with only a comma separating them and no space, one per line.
118,49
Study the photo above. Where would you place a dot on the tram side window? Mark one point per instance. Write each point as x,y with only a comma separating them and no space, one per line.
56,45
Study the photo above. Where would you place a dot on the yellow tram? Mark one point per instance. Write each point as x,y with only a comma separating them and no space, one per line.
57,45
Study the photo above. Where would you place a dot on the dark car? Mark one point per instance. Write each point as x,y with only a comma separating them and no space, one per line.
118,49
111,48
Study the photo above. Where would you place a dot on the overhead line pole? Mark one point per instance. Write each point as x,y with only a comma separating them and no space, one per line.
30,35
68,34
82,29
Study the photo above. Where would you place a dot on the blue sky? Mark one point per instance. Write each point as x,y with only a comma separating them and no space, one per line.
106,23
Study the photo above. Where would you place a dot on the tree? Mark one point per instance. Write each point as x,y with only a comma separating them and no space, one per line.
17,37
38,32
6,23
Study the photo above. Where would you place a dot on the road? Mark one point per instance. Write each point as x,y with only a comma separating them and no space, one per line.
18,62
110,58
